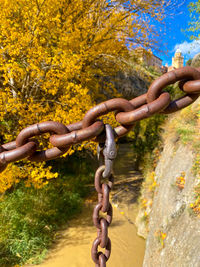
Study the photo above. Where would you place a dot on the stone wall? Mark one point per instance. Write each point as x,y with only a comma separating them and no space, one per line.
174,233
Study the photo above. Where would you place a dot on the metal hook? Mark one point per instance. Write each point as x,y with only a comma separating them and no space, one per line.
109,151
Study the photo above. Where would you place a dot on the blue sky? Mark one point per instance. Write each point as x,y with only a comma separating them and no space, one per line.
172,36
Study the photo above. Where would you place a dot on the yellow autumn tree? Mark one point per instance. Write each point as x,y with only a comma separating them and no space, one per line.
53,56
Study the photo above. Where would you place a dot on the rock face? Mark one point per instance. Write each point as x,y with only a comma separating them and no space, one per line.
174,233
130,84
196,61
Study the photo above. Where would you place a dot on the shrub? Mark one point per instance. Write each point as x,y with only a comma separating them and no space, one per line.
30,217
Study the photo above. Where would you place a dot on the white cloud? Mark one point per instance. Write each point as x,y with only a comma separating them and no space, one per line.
189,49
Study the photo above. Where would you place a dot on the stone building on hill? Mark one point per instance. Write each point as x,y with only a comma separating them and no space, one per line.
177,60
148,58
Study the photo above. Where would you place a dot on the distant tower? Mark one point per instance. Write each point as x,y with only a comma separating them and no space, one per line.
178,59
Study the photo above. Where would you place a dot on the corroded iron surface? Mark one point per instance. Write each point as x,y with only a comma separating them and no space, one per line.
127,112
156,100
106,153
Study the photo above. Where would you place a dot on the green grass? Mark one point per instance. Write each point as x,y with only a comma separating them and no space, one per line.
29,217
186,127
145,138
186,134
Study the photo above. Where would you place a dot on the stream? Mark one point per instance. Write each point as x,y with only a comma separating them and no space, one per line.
73,246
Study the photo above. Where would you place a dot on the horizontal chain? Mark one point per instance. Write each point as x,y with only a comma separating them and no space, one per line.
90,128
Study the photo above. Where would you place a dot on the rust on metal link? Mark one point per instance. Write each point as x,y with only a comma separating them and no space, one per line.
103,232
180,103
48,154
16,154
123,130
102,261
108,152
38,129
116,104
77,136
75,126
127,113
185,73
96,218
139,101
145,111
9,146
95,254
191,87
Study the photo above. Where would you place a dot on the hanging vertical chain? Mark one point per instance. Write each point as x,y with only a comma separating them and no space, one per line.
127,113
106,152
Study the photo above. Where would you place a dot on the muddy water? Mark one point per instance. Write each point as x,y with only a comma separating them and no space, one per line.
74,244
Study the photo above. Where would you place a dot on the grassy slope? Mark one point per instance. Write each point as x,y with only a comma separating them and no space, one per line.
185,126
30,217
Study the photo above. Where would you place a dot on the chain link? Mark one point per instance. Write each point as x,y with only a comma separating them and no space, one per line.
109,153
62,137
127,113
13,154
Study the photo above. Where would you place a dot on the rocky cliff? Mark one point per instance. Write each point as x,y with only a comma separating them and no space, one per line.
133,81
173,238
130,84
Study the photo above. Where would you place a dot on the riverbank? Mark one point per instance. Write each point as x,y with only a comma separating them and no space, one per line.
73,244
30,217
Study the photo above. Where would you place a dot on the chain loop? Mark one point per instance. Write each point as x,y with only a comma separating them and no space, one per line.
77,136
159,104
191,87
96,255
154,101
106,151
38,129
116,104
103,233
182,75
127,113
98,177
185,73
96,216
16,154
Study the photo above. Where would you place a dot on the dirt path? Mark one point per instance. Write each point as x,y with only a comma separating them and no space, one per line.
74,244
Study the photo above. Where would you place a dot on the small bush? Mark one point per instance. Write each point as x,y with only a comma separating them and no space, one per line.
146,137
29,217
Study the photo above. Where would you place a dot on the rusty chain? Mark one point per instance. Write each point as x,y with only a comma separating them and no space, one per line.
156,100
106,152
127,112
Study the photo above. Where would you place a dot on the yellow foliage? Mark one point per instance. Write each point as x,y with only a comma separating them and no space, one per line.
53,56
180,181
161,236
38,174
